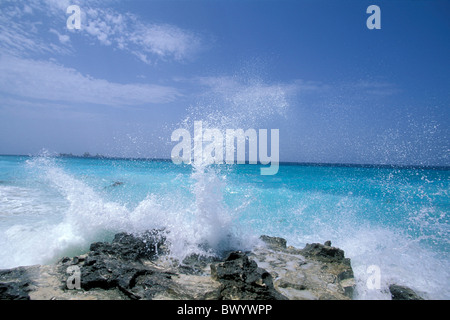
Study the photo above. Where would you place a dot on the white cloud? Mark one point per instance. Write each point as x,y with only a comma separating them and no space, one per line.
52,82
166,40
23,33
33,31
126,31
147,41
63,38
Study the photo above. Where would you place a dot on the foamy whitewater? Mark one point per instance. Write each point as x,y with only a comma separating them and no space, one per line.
394,218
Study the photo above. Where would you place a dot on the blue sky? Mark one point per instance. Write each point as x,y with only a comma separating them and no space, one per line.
137,69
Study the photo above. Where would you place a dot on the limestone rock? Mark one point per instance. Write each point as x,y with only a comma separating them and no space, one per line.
315,272
140,267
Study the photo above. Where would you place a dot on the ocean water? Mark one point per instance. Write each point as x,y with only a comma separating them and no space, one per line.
396,219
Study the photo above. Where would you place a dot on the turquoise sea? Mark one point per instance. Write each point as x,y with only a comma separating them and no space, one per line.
395,218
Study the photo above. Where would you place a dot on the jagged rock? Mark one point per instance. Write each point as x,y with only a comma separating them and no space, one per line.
315,272
242,279
16,284
119,265
196,264
138,267
132,248
403,293
274,242
325,253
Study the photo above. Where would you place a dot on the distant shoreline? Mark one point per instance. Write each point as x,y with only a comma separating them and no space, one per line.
282,163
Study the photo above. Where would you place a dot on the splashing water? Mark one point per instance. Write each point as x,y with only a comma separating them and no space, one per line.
390,218
396,219
233,104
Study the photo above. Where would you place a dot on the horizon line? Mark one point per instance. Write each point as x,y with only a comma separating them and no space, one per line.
286,163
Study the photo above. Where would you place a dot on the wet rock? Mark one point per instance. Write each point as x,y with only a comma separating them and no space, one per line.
196,264
105,273
325,253
242,279
16,284
130,247
403,293
129,265
315,272
274,242
119,264
138,267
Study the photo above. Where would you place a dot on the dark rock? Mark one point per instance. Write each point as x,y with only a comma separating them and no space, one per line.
132,248
148,285
77,260
325,253
108,273
119,265
132,278
196,264
242,279
327,243
16,284
236,267
65,260
345,274
275,243
403,293
133,267
17,290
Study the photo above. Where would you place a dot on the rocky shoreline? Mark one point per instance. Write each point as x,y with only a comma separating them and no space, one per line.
138,267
